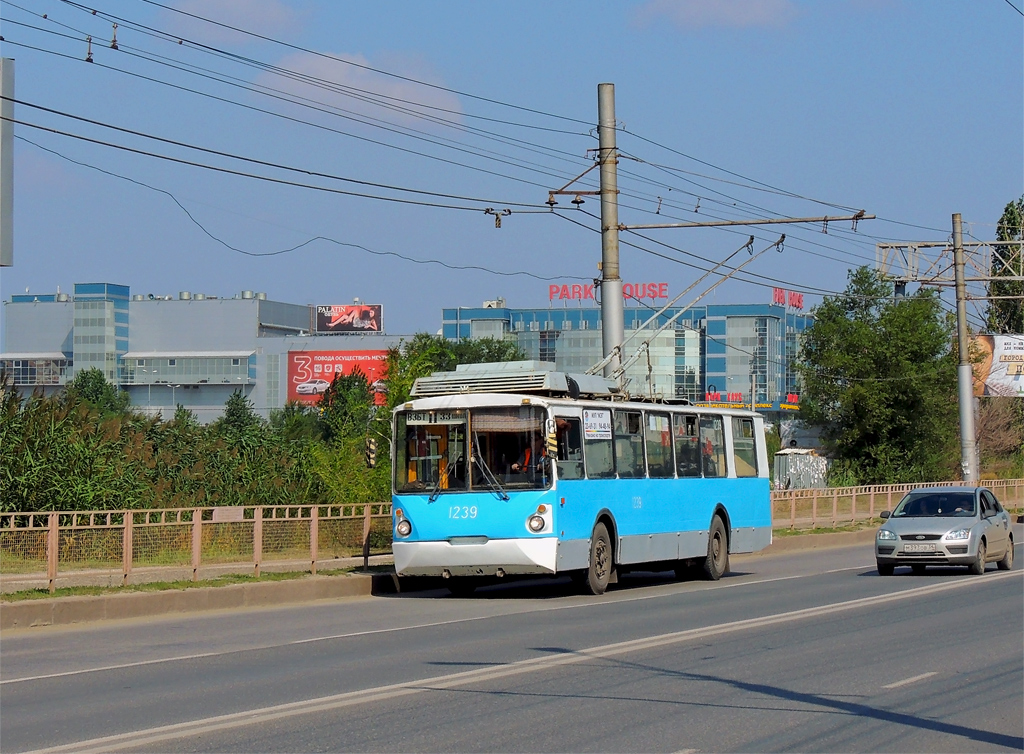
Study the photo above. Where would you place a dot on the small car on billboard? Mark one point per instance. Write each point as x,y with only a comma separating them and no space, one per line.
312,387
944,526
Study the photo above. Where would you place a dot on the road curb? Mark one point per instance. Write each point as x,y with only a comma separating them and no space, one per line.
818,541
64,611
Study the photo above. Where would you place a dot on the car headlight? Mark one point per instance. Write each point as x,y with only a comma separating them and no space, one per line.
959,534
403,528
886,534
536,523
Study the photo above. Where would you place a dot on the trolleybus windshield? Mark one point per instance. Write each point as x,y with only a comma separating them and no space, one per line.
457,450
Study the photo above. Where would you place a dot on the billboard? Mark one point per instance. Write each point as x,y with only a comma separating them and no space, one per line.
310,373
998,365
349,318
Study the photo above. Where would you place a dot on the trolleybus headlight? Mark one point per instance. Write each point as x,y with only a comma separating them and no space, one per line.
536,523
404,528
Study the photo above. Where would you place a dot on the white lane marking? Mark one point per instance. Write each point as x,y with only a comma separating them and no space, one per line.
686,751
908,681
175,731
355,634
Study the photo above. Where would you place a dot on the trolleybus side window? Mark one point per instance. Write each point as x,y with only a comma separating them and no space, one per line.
431,451
570,447
687,445
712,446
597,440
744,451
658,437
629,444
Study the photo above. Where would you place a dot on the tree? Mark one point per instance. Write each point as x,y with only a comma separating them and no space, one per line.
92,388
346,407
1006,315
296,421
879,378
240,420
427,353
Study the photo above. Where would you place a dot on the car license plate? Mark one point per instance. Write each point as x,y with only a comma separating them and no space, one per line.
919,547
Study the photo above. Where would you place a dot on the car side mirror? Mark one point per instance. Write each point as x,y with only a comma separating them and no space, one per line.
884,514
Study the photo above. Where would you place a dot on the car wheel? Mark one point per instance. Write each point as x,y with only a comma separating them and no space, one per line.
717,561
1007,561
918,569
600,571
978,566
885,569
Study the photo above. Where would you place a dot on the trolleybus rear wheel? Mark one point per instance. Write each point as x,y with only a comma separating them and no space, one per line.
600,571
717,561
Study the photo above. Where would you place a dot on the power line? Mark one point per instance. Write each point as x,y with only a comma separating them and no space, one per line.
256,176
308,241
334,58
266,163
1021,12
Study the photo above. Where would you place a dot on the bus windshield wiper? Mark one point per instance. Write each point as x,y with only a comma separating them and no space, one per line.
449,465
487,473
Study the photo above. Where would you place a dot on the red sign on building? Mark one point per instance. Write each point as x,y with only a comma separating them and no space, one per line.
310,373
791,298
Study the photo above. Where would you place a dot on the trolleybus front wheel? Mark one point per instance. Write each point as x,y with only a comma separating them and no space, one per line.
717,561
600,571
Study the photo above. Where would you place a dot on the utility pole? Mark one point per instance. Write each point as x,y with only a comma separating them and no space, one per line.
6,162
611,283
964,372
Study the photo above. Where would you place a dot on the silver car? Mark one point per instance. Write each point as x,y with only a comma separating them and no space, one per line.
945,526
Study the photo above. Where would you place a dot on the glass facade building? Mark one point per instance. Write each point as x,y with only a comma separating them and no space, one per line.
725,354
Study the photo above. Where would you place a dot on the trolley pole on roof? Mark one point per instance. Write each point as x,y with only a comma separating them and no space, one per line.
964,371
611,283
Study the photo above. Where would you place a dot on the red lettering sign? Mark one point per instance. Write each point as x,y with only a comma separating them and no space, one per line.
792,398
778,296
796,300
735,397
579,292
712,397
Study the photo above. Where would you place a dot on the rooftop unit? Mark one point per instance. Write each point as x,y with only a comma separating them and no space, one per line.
513,377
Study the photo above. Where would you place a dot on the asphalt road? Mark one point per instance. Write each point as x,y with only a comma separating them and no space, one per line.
808,651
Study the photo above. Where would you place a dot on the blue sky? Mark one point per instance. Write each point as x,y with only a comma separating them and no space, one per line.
910,110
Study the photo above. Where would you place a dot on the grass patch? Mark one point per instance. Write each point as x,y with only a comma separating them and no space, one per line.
853,526
159,586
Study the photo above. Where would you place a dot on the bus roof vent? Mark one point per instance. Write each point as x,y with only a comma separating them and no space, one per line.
536,377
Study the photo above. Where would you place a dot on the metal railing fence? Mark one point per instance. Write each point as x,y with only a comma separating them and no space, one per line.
122,540
836,506
190,536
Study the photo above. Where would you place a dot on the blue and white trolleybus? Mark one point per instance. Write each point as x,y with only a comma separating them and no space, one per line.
514,468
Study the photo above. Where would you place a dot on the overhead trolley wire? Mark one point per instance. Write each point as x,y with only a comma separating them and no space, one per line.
192,218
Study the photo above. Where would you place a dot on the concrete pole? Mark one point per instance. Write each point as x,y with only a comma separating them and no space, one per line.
6,162
964,372
611,283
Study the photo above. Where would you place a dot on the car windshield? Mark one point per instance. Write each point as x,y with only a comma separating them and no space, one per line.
923,504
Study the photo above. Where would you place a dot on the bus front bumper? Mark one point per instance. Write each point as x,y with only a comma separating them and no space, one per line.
536,555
